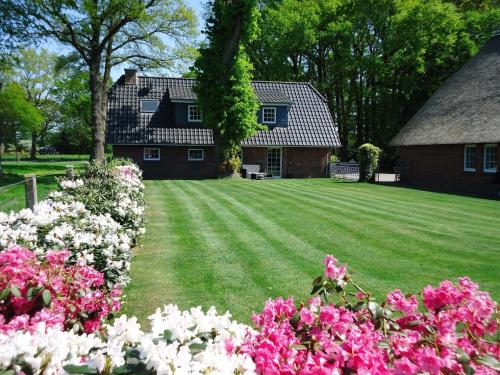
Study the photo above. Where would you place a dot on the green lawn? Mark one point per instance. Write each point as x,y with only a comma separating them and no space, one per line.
12,197
235,243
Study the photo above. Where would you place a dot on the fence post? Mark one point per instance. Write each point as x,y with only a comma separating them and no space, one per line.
30,190
70,172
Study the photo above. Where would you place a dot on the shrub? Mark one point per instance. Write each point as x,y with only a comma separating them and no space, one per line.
188,342
368,161
60,296
113,188
93,240
448,336
450,333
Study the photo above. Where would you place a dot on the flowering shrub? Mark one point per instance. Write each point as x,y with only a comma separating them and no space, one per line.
32,291
94,240
113,188
450,335
188,342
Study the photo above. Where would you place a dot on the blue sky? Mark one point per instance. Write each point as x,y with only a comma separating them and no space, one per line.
197,5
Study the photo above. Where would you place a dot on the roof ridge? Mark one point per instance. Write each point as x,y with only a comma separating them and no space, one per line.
255,80
317,92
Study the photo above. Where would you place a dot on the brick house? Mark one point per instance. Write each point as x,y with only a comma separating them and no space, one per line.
156,122
453,142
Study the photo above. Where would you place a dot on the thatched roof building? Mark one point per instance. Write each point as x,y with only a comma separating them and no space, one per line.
465,109
453,142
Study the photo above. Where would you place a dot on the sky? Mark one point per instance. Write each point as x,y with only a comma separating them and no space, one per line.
116,72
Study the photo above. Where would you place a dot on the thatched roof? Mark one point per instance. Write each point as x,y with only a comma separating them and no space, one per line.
465,109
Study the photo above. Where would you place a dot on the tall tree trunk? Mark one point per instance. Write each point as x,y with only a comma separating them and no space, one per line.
96,115
218,157
359,110
34,142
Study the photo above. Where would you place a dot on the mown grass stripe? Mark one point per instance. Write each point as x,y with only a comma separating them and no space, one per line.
262,233
256,238
237,270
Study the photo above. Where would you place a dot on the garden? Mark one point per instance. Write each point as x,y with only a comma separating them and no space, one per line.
65,271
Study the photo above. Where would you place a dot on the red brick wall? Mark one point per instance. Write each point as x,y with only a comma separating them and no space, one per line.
173,162
441,167
298,162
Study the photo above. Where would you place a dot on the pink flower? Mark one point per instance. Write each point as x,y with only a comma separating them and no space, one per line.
75,292
397,300
404,366
333,272
306,316
428,360
57,258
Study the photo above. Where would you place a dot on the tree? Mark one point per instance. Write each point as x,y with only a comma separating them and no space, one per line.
36,73
104,34
224,79
74,132
17,115
377,61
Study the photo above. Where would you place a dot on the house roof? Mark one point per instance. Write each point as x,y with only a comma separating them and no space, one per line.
465,109
310,123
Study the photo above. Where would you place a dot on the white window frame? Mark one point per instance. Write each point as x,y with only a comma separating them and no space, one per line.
189,113
489,170
467,147
149,100
151,148
196,159
263,116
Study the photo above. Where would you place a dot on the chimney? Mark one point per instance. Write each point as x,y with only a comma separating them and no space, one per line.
130,77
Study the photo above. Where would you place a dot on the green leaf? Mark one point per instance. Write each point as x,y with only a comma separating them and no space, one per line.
46,296
489,361
468,369
197,348
15,291
462,356
384,345
7,372
4,294
299,347
84,369
375,309
167,335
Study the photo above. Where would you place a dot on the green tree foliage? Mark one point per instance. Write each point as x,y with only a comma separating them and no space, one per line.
17,114
104,34
35,71
377,61
224,79
74,133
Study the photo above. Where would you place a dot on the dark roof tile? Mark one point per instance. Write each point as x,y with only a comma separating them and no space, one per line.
310,123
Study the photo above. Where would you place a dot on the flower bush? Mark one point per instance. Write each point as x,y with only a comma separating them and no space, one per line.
452,333
93,240
188,342
60,296
113,188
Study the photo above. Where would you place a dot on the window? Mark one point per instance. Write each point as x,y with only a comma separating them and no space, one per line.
490,158
149,105
151,153
470,158
195,154
194,113
269,115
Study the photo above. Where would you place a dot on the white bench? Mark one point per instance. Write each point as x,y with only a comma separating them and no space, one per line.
253,171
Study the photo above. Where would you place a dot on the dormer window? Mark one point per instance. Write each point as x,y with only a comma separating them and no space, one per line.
269,115
149,105
194,113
